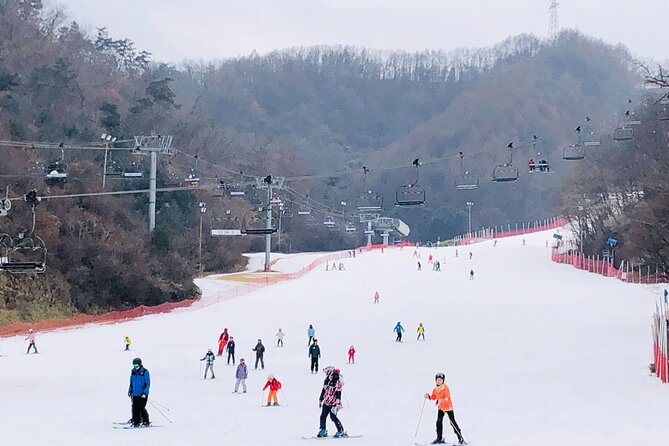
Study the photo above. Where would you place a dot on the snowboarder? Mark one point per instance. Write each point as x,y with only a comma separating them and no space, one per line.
230,348
310,333
222,340
260,353
471,274
442,394
127,342
376,297
351,355
140,381
274,386
420,331
398,329
330,401
210,358
241,374
314,354
279,338
31,339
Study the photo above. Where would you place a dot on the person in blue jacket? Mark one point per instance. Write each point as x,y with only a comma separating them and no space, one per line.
311,333
140,381
398,329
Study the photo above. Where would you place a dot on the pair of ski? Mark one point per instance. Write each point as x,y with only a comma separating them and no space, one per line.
331,438
128,425
430,443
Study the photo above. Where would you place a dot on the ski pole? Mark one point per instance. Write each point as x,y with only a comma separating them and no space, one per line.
420,417
283,395
161,405
199,373
346,398
262,398
159,411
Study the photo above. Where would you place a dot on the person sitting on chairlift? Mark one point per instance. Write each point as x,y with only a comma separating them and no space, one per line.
531,165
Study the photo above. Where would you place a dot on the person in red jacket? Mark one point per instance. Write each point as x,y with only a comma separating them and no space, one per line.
351,355
442,394
376,297
222,341
274,386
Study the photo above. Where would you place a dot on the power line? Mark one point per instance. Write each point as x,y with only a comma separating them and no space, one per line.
121,192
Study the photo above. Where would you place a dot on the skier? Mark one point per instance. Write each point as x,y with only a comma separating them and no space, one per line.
523,242
310,332
274,386
140,381
230,348
222,340
31,338
376,297
471,274
241,374
420,331
260,353
351,355
127,342
418,266
470,255
456,253
398,329
442,394
415,254
210,358
437,266
429,259
341,266
279,338
314,354
494,244
327,265
330,402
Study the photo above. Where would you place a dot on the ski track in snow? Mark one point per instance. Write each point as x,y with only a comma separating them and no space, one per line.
535,353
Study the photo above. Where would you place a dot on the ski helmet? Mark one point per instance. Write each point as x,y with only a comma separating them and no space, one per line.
329,369
137,361
440,375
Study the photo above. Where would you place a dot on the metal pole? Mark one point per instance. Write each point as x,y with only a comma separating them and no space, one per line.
201,268
268,225
152,191
104,169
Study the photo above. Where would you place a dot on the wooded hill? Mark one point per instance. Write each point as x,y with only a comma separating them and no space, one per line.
298,112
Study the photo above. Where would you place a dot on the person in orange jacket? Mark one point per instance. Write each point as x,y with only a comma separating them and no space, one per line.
442,394
351,355
274,386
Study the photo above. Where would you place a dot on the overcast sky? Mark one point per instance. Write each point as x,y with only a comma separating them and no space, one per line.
173,30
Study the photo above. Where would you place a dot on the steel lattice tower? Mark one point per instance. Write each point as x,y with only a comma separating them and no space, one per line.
553,24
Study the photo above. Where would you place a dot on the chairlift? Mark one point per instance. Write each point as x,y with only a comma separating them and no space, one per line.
193,177
304,211
466,180
370,201
134,170
330,223
542,164
586,135
25,252
573,152
56,171
411,194
624,133
257,225
275,200
504,173
350,227
663,114
227,224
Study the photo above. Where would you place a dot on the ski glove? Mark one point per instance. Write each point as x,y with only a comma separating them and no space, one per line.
129,393
427,396
143,395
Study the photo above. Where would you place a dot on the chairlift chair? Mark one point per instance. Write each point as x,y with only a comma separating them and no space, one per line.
350,228
410,195
505,173
134,170
227,224
22,253
56,172
573,152
663,114
192,179
257,225
623,134
330,223
303,211
466,180
370,201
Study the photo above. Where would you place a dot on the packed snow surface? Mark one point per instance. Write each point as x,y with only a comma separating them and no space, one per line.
535,353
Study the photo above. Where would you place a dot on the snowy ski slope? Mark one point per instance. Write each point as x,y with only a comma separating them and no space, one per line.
535,353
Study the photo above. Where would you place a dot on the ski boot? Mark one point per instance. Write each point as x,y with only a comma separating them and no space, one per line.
439,441
340,434
275,404
147,424
322,433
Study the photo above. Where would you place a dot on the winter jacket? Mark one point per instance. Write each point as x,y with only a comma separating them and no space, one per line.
259,349
210,357
280,335
399,328
311,332
331,392
140,381
242,372
273,384
31,337
127,340
230,347
443,395
314,351
351,351
224,335
421,329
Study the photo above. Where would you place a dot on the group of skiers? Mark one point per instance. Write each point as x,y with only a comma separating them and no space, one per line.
334,266
399,329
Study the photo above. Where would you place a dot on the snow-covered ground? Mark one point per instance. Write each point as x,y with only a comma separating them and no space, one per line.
535,353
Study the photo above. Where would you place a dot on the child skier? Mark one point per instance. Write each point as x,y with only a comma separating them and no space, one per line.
31,338
376,297
274,386
279,338
351,355
330,402
398,329
420,331
241,374
127,342
210,358
230,348
310,333
442,394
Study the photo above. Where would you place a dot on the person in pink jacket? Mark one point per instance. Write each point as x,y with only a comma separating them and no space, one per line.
31,338
376,297
351,355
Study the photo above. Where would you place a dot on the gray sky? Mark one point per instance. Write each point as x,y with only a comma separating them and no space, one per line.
174,30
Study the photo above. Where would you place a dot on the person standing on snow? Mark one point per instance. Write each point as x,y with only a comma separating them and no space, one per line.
279,338
260,354
420,331
314,354
471,274
376,297
140,381
274,386
31,339
418,266
210,358
127,342
351,355
310,333
442,394
230,348
398,329
222,341
241,374
330,402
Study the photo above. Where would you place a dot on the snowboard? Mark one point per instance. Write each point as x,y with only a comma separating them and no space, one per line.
331,437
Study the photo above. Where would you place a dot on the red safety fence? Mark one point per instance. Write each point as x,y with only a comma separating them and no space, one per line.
499,232
660,364
250,284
